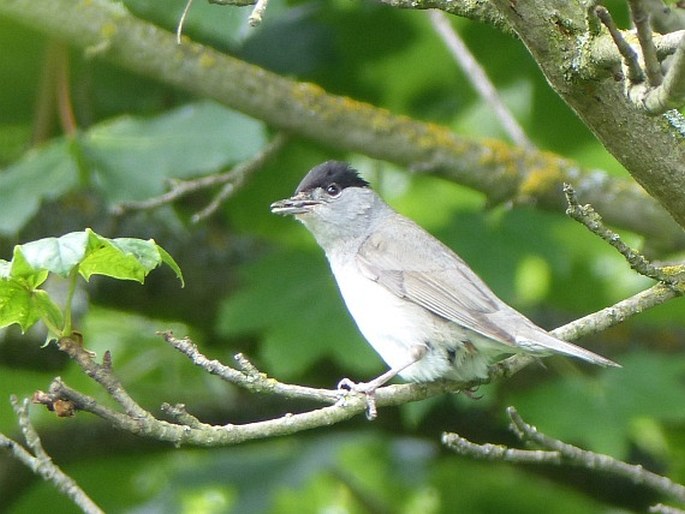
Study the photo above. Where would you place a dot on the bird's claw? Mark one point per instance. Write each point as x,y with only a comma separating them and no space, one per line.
367,389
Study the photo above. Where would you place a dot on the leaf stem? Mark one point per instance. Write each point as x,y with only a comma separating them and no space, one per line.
73,277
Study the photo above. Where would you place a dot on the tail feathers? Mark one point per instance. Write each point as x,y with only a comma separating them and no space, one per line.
551,345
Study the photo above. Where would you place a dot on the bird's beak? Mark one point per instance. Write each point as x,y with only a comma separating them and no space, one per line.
298,204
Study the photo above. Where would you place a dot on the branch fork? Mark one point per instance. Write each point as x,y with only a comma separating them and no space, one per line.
647,87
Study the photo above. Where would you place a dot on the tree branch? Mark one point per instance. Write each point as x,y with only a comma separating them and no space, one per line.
500,171
652,148
475,74
557,452
41,463
231,181
585,214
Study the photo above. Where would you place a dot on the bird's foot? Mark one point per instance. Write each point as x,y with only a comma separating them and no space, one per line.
471,393
368,389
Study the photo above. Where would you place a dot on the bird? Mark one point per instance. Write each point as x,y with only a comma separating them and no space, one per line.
417,303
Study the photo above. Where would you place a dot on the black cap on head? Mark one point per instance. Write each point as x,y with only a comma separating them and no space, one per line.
329,172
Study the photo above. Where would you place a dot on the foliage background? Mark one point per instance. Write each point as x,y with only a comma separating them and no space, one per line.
259,285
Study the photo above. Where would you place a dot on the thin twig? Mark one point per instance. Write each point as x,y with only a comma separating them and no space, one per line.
644,35
179,414
235,178
236,3
182,20
586,215
249,376
478,78
671,93
498,452
102,374
594,27
554,451
258,13
41,463
630,59
591,460
660,508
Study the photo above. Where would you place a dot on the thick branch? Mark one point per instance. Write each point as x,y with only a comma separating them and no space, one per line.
501,171
652,148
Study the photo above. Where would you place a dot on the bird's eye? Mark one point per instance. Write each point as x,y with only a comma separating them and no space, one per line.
333,189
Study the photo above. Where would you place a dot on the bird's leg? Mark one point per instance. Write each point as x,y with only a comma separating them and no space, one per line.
416,353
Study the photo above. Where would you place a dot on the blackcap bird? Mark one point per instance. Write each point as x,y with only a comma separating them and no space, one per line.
419,305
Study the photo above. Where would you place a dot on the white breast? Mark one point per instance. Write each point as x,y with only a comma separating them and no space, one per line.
393,325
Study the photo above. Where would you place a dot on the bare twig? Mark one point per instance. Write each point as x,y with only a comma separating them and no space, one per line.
237,3
554,451
248,377
182,20
671,93
232,180
660,508
41,463
498,452
594,27
258,13
586,215
659,94
102,374
644,35
479,79
179,414
630,59
665,17
590,460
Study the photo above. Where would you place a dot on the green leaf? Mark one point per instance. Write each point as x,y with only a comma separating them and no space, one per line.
169,261
42,174
90,254
123,258
47,310
86,253
16,305
57,255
